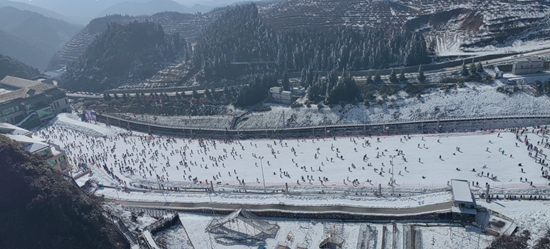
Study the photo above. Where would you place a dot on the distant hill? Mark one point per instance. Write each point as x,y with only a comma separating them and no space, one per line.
151,7
39,10
13,67
32,38
23,50
124,53
40,209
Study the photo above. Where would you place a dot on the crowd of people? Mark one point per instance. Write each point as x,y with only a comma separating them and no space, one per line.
134,159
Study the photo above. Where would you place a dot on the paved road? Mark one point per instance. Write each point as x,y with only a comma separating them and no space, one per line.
441,207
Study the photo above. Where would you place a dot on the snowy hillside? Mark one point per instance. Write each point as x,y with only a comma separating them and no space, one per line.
473,100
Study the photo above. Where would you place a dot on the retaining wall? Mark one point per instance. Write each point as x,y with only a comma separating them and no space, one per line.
388,128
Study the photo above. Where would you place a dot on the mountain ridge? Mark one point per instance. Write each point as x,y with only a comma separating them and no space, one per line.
150,8
13,67
27,33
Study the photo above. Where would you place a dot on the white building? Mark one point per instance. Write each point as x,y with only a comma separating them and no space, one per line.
51,154
277,95
528,65
30,102
464,203
496,73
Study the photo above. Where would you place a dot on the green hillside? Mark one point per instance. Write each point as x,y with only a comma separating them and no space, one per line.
40,209
13,67
122,54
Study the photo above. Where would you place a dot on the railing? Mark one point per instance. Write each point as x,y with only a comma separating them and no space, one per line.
446,124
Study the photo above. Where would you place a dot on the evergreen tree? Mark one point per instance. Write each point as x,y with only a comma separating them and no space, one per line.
227,93
346,90
116,96
369,79
195,94
421,76
377,78
479,68
106,97
286,81
464,71
393,76
207,93
213,93
402,77
473,68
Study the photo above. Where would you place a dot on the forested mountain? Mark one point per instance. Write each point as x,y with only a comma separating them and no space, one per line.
240,42
32,38
187,25
124,53
36,9
13,67
40,209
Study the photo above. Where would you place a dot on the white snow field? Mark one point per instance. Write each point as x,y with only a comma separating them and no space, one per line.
418,161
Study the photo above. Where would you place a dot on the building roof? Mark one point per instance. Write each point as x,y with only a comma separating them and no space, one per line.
7,128
18,82
25,88
28,144
461,191
530,59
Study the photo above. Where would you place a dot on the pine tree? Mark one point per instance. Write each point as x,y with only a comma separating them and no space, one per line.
421,76
116,96
107,97
479,68
208,94
369,79
464,71
195,94
377,78
393,76
286,81
213,93
402,77
473,68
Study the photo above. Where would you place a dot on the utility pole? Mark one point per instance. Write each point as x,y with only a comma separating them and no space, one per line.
392,180
262,166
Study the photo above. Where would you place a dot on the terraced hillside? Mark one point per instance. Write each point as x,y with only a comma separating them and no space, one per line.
356,13
189,25
454,25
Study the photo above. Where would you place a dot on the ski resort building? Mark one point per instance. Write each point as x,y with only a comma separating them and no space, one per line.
52,154
464,203
278,95
528,65
6,128
496,73
30,103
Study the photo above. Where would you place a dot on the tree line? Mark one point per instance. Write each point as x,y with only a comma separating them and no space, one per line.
239,42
